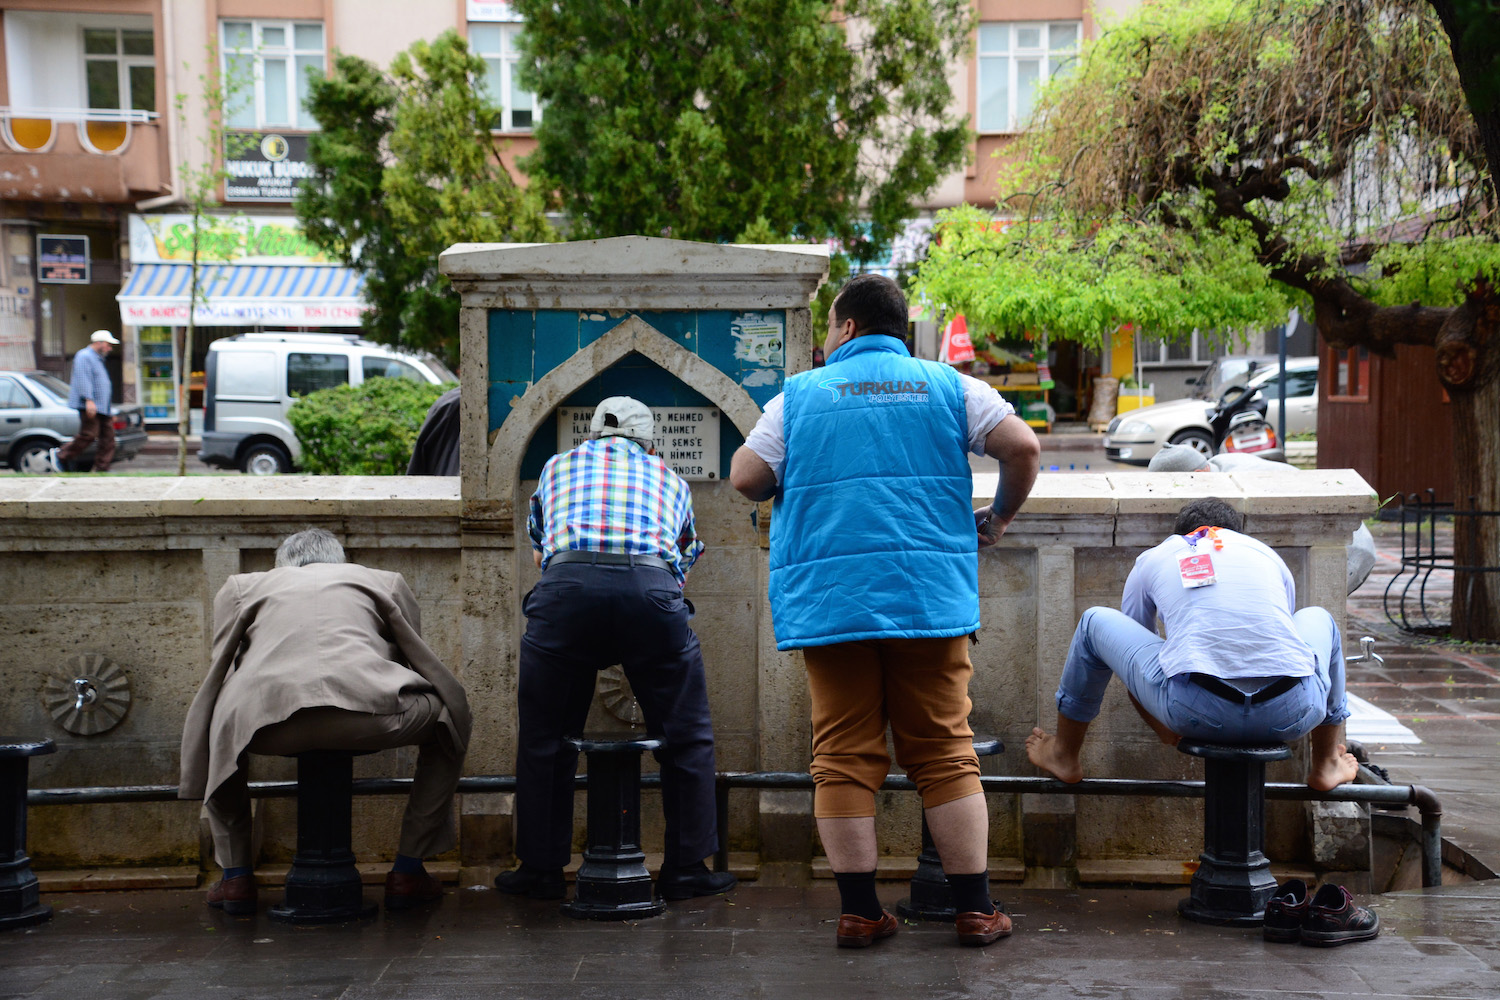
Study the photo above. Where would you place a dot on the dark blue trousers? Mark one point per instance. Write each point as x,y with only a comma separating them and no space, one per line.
580,619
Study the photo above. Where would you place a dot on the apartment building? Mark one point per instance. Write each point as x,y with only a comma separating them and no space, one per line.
94,230
93,225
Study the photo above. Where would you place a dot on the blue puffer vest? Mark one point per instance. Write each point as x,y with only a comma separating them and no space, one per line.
872,534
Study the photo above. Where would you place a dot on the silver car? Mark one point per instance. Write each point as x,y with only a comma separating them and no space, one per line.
1136,435
35,418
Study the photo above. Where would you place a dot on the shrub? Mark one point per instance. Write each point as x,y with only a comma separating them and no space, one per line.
362,430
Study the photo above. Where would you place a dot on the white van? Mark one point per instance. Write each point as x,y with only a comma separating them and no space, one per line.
252,379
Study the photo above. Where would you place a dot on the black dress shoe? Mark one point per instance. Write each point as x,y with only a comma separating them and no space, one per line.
533,883
694,880
1333,919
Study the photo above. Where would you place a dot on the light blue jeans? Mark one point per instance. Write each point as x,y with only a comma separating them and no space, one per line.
1108,642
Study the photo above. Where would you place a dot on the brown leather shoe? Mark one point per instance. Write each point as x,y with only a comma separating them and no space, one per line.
235,896
403,890
982,928
857,932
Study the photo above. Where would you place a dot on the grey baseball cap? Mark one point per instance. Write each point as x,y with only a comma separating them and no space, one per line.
1178,458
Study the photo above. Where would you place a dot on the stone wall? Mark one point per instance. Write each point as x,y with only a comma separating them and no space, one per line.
126,569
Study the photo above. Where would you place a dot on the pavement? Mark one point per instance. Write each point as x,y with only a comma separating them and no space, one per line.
774,936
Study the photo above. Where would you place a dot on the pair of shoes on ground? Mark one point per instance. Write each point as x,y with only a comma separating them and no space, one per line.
672,883
974,929
1326,919
238,896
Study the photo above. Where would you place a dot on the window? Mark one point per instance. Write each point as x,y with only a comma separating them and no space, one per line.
496,45
1200,348
13,397
307,373
1349,373
1015,59
247,373
390,368
119,69
266,64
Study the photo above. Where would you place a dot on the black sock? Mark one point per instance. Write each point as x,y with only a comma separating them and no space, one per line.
857,894
971,893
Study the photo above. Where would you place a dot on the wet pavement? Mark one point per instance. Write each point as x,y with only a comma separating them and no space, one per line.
1447,693
759,942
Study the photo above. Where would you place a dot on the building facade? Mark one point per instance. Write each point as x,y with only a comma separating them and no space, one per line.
93,153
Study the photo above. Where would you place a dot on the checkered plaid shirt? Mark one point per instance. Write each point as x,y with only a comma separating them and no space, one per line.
609,495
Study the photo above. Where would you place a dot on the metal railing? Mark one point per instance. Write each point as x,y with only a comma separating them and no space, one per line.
1420,598
1430,809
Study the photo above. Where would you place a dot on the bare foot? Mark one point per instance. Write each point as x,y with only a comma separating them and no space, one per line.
1324,775
1043,750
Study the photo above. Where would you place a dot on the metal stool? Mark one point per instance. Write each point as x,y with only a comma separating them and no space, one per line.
20,895
612,882
324,884
931,895
1233,882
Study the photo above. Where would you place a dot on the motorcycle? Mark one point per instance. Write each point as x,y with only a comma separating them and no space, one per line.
1238,422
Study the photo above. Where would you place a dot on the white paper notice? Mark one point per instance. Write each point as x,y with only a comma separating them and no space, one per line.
687,437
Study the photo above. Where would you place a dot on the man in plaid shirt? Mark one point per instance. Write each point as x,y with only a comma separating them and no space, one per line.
612,531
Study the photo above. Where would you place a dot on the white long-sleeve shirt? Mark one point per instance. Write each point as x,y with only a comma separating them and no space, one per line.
1238,627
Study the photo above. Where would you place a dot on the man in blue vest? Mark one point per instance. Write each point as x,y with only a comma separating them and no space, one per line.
874,575
89,394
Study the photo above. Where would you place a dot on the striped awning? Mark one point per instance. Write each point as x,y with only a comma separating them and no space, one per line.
243,295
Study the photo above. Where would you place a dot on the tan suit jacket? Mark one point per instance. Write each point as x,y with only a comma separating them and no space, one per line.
338,635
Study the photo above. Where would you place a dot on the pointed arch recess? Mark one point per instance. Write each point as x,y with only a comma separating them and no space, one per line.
632,335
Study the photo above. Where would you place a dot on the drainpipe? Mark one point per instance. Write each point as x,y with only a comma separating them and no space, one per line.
174,139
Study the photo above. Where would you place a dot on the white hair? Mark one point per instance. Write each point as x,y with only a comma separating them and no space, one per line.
311,545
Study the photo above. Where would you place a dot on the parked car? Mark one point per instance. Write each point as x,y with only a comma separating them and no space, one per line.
252,380
35,418
1136,435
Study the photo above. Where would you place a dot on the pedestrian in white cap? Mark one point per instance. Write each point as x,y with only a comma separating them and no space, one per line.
90,395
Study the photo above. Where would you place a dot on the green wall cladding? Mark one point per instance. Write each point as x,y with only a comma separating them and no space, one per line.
524,345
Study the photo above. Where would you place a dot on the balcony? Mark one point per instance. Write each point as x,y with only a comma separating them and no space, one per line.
81,155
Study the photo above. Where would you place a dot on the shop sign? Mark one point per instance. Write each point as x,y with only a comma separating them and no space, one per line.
252,312
686,437
264,166
222,239
62,260
491,10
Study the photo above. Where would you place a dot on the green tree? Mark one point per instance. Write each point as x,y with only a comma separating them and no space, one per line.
809,119
201,172
1213,162
404,167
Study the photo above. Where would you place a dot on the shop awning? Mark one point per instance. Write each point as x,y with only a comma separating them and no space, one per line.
243,295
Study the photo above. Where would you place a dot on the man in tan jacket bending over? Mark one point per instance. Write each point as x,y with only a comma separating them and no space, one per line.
320,654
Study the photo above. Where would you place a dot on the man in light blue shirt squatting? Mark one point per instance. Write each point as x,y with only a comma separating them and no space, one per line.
1239,664
89,394
612,531
874,575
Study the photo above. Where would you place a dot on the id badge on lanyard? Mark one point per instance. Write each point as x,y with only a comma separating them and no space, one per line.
1197,569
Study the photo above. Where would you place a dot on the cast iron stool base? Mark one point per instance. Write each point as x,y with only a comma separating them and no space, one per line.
613,883
931,895
323,886
1233,882
20,894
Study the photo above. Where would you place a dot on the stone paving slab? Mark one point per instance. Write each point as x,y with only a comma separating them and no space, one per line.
759,942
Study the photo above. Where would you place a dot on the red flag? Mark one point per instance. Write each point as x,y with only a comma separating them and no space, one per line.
957,347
